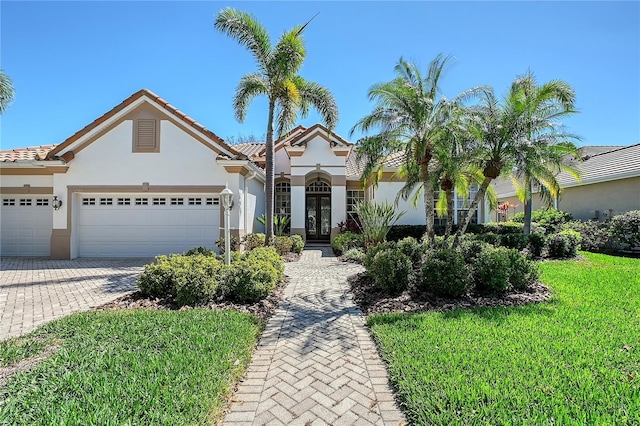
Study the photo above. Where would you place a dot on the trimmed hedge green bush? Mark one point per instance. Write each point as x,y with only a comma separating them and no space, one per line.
390,269
250,279
200,250
297,243
502,228
354,255
523,271
268,254
345,241
372,251
188,280
564,244
234,244
596,236
537,243
445,273
413,248
491,270
551,219
253,240
282,244
625,230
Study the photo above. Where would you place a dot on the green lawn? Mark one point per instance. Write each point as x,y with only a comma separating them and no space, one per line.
129,367
572,360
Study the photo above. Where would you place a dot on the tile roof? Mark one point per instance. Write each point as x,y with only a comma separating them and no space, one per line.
164,104
250,149
610,165
31,153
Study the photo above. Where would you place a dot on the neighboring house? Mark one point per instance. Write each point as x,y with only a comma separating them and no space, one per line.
609,184
145,179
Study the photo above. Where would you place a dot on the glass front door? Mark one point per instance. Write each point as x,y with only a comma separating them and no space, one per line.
318,213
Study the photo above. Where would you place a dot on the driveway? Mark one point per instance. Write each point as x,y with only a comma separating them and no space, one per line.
34,291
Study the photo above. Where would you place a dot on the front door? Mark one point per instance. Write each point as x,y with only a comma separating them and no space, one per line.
318,214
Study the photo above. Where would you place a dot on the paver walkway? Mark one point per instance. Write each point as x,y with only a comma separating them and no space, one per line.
316,364
34,291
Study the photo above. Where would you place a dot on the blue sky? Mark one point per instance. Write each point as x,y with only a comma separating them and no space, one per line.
73,61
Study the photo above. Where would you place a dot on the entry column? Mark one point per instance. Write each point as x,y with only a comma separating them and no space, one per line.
298,205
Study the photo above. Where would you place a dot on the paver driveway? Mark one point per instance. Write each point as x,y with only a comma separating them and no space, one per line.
316,364
34,291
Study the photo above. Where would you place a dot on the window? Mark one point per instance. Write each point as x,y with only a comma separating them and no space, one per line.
88,201
42,202
8,202
177,201
124,201
106,201
318,186
213,201
146,135
353,197
195,201
159,201
142,201
25,201
283,198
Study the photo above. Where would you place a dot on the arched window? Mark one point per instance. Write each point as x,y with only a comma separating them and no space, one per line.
318,186
283,199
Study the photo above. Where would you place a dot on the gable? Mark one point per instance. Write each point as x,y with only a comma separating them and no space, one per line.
147,111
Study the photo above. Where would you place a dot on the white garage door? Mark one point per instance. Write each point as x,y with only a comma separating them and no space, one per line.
137,225
25,225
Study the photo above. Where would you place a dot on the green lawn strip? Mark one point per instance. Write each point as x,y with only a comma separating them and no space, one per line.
132,367
572,360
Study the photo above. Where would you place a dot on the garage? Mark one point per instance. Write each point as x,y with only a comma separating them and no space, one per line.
141,225
25,225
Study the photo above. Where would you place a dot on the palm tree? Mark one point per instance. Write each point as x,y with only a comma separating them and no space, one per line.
511,139
409,117
546,147
6,91
277,78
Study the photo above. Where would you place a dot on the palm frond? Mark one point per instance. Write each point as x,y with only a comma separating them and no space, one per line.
247,31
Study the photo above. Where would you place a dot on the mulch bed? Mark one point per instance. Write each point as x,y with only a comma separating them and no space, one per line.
375,301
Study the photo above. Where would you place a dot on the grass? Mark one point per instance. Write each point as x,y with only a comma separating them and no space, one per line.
129,367
572,360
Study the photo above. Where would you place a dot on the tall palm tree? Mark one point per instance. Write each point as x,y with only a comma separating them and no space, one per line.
6,91
277,78
546,147
514,137
409,117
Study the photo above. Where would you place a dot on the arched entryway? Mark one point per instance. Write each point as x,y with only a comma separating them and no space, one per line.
318,210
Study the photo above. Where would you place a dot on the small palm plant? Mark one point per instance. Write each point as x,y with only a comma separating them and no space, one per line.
376,220
280,223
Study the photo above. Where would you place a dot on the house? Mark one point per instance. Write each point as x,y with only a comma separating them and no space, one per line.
145,179
609,184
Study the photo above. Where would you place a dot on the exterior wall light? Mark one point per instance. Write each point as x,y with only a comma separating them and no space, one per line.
56,203
227,203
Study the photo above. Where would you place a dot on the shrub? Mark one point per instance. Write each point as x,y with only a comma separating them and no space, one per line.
250,279
200,250
376,220
445,273
502,228
234,244
625,229
270,255
354,255
514,241
399,232
412,248
372,251
186,279
350,225
492,269
489,238
282,244
348,240
471,249
550,218
596,236
536,244
564,244
252,241
297,243
523,271
390,269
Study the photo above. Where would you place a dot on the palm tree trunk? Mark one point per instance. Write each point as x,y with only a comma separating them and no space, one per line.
450,200
472,209
268,233
528,207
428,202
